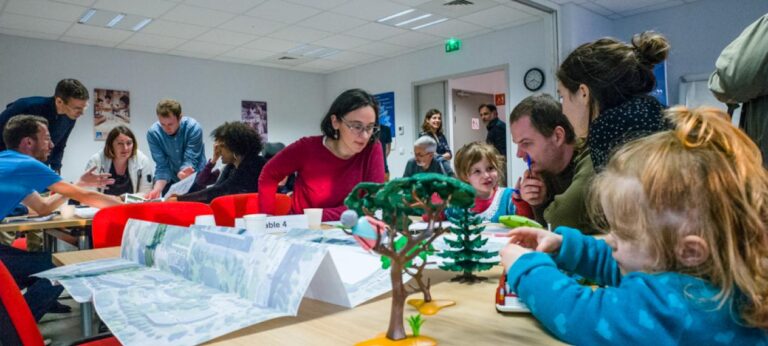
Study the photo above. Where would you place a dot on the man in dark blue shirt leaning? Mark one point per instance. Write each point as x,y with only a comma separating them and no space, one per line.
61,110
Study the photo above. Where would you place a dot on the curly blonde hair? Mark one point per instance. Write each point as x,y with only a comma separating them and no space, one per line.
704,178
473,153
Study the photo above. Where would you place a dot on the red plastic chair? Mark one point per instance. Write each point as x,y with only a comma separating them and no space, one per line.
20,243
25,330
109,223
227,208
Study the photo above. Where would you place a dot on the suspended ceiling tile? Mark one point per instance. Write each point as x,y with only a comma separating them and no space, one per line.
370,9
231,6
495,16
282,11
40,25
300,34
148,49
248,54
88,41
201,47
381,49
154,41
226,37
45,9
341,42
375,31
323,5
272,44
174,29
451,28
332,22
97,33
197,16
147,8
251,25
415,40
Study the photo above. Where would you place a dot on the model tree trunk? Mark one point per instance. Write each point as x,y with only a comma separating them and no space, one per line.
396,329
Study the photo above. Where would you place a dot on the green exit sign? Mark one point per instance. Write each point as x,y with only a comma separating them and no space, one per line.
452,45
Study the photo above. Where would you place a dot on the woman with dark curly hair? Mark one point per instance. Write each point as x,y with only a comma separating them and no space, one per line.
238,146
433,127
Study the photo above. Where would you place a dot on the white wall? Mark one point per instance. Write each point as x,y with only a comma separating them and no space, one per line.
520,48
697,31
208,91
579,26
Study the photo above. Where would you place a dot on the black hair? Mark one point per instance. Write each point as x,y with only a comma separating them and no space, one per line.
238,137
70,88
546,115
348,101
20,127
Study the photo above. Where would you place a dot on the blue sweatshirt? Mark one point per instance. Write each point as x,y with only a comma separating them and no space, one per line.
172,153
649,309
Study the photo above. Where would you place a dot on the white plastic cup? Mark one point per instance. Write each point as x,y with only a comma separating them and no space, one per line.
67,211
205,220
314,217
240,223
256,223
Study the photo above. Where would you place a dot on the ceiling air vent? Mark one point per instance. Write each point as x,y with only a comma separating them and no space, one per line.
286,58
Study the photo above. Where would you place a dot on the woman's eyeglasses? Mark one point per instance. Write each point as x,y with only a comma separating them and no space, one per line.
358,128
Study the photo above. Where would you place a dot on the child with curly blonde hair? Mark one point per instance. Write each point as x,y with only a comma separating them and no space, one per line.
686,259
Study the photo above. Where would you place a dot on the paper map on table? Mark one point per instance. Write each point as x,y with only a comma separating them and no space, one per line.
179,285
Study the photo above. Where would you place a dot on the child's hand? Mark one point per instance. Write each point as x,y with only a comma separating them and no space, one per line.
536,239
510,254
533,189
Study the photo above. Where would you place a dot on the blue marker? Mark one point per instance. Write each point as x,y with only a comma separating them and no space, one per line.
528,161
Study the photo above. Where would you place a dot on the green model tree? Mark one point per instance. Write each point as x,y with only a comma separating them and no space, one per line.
465,254
398,200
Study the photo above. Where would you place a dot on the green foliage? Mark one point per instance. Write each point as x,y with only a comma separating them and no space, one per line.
415,321
386,262
465,253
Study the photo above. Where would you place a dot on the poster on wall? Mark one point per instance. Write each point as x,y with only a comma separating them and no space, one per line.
254,113
111,108
660,90
387,110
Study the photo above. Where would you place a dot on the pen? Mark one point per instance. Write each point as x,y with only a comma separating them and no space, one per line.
528,161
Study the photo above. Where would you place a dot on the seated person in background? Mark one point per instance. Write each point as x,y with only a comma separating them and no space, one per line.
685,260
557,182
425,160
126,164
22,175
478,164
239,146
286,185
329,166
176,145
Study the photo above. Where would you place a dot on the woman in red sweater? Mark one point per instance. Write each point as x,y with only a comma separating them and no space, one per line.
329,166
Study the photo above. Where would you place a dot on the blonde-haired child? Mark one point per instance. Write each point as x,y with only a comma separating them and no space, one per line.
686,260
480,165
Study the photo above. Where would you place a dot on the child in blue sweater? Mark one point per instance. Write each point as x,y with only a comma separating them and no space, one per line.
686,259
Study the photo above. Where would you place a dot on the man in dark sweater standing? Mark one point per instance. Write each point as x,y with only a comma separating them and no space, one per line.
497,131
60,110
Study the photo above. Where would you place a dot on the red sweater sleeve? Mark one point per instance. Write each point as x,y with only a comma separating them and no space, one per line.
523,208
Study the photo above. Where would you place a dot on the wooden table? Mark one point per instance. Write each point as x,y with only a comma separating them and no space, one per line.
473,321
57,222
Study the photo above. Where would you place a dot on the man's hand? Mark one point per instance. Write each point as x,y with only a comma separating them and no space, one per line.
185,172
91,179
533,189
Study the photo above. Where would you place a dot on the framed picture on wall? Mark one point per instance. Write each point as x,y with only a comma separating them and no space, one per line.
386,103
111,108
254,113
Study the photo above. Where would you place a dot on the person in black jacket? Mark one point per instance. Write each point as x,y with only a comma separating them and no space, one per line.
238,146
497,130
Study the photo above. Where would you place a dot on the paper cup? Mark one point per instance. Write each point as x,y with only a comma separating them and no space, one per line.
67,211
314,217
205,220
240,223
256,223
